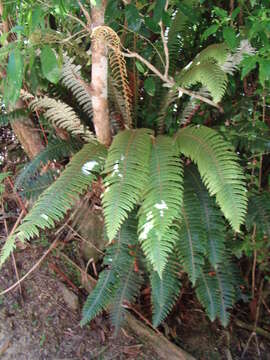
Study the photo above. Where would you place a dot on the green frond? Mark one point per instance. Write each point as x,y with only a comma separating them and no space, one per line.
60,114
18,114
208,74
219,168
72,79
56,150
259,213
100,297
126,172
35,186
216,52
167,100
117,100
216,292
191,243
208,294
165,291
211,218
54,202
161,203
113,281
128,289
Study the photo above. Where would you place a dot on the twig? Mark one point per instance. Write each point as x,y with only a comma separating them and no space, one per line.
254,261
258,330
53,245
170,82
54,268
86,14
165,44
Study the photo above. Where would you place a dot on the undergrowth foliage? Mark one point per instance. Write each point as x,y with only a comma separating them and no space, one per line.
162,216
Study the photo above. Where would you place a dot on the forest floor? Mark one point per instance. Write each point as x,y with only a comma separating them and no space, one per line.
42,323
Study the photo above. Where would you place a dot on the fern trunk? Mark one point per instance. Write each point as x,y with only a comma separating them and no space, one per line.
99,88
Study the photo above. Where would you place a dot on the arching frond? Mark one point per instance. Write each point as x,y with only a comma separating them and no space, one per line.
165,290
211,218
168,99
35,186
54,203
216,52
60,114
117,64
115,282
191,244
126,176
259,213
117,100
72,79
162,202
207,73
55,150
219,169
216,292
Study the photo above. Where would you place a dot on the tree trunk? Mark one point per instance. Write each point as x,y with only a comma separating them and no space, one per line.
27,134
99,88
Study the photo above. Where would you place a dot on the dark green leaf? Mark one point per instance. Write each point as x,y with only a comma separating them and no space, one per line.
49,64
150,86
248,64
210,31
264,73
230,37
133,17
13,82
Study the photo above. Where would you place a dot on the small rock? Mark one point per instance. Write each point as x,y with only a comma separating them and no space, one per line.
69,297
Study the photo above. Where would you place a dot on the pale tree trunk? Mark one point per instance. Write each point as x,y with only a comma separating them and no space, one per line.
99,88
24,129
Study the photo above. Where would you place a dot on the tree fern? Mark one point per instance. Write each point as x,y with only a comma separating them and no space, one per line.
191,244
126,172
60,196
216,52
72,79
56,150
219,169
211,218
162,202
165,290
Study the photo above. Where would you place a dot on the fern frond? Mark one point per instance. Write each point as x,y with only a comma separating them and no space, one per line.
216,52
208,294
162,202
216,292
211,218
116,98
207,73
164,291
117,64
128,288
232,61
191,244
126,172
168,99
259,213
72,79
34,187
219,169
60,114
60,196
119,262
56,150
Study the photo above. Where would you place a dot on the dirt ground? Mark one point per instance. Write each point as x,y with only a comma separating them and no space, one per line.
43,324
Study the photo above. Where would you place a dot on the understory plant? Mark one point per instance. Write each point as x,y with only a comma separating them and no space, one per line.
171,194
